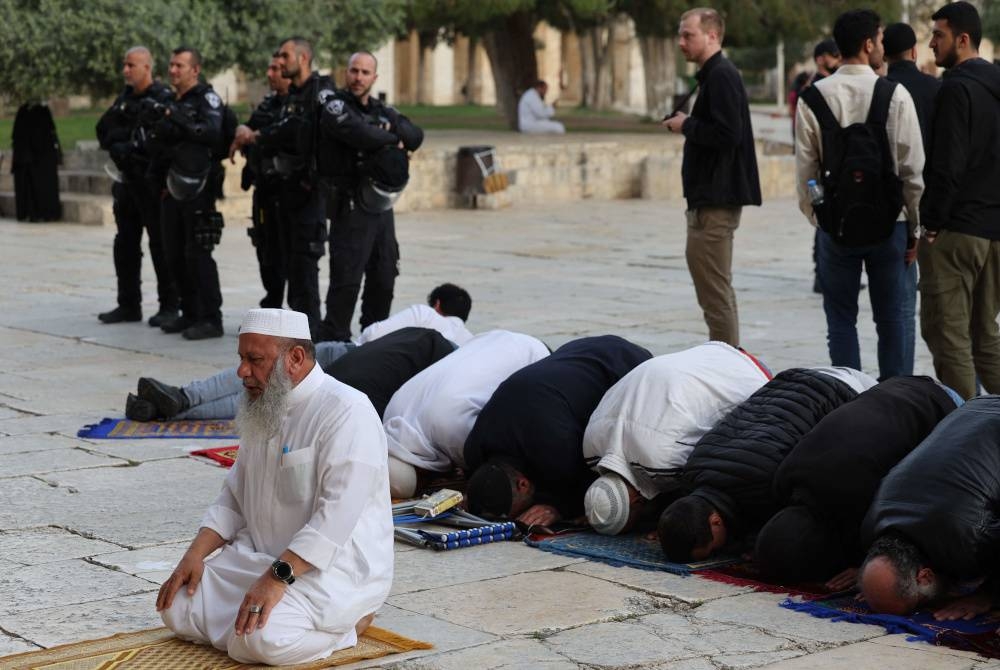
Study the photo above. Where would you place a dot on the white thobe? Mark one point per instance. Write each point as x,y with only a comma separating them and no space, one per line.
327,500
647,424
430,416
534,116
857,380
418,316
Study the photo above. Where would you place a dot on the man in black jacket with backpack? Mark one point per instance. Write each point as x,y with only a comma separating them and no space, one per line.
858,137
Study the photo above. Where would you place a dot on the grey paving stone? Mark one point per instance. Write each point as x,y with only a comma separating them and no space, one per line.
36,546
9,413
51,423
706,637
55,460
761,610
615,644
901,641
26,502
10,645
35,442
868,656
503,655
527,603
146,563
427,569
146,450
63,583
86,620
693,590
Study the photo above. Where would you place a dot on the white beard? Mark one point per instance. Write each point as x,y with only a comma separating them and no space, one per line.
259,420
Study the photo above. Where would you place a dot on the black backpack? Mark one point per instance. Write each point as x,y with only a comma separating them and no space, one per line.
862,194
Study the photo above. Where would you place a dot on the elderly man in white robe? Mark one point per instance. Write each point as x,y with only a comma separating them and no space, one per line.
304,519
430,416
533,115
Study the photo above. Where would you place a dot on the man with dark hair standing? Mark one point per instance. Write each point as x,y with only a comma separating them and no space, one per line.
269,238
191,131
850,97
122,133
292,142
826,56
719,170
359,136
901,54
960,259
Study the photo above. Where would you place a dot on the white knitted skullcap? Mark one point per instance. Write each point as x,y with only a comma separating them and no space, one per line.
606,504
277,323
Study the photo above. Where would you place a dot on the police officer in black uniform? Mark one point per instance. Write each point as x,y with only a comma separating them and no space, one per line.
123,134
266,234
354,127
191,134
291,143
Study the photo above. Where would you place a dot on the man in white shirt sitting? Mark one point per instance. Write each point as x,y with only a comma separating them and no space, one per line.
303,520
533,115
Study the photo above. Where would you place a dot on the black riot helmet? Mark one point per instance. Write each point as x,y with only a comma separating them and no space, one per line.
189,170
384,175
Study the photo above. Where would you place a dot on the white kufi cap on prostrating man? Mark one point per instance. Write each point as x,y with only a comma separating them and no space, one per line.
277,323
607,504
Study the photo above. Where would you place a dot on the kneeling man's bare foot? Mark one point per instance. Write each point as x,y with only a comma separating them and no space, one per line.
363,624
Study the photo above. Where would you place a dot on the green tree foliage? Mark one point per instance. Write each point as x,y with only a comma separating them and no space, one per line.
67,46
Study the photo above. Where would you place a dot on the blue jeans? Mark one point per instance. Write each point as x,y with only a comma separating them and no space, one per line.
218,396
840,279
909,316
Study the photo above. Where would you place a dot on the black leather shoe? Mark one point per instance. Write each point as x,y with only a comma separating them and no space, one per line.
120,315
162,317
178,325
203,330
138,409
168,401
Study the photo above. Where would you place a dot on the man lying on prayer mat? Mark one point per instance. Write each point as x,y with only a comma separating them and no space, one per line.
829,479
934,520
429,418
303,520
730,471
216,397
524,454
642,431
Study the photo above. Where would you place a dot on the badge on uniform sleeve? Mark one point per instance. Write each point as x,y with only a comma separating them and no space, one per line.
324,95
335,107
213,99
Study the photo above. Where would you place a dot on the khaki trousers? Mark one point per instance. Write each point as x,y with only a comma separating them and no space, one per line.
710,261
959,303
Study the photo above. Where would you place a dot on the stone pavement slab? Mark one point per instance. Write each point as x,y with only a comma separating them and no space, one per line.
692,590
89,620
55,460
148,563
869,656
36,546
24,444
63,583
501,655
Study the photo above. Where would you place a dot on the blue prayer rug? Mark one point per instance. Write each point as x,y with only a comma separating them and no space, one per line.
633,550
126,429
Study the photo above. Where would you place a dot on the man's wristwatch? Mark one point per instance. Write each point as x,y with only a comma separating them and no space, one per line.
282,571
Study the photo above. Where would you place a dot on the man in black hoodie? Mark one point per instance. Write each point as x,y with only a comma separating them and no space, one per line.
960,211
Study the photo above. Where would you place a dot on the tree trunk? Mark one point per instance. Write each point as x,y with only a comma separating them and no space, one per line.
474,83
511,50
588,68
659,63
595,49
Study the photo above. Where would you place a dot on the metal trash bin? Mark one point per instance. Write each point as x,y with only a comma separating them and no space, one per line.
478,171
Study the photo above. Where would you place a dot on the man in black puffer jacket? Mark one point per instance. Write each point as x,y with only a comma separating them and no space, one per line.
729,475
935,521
831,476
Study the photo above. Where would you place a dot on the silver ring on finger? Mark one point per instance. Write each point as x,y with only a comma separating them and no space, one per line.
256,609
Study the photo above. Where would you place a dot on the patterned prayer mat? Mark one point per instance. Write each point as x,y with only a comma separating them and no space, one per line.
978,635
224,456
631,550
745,573
125,429
158,649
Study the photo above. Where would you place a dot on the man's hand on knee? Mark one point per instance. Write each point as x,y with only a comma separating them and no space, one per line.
189,572
257,604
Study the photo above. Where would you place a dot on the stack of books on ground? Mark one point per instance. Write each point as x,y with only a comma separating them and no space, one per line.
427,526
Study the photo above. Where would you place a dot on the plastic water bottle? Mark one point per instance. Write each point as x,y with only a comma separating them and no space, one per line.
815,192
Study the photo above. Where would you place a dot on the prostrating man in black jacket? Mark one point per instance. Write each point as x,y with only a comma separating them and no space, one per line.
935,521
727,479
832,474
719,169
525,451
900,43
960,211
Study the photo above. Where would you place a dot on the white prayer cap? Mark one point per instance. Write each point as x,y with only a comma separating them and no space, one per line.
277,323
607,504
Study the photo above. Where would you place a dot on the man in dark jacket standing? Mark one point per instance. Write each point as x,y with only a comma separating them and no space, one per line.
960,211
525,451
719,169
934,520
899,42
832,474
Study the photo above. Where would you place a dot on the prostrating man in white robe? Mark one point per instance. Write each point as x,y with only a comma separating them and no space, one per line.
642,432
303,520
429,418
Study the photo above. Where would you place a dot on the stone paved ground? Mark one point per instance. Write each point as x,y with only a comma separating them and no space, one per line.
88,529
